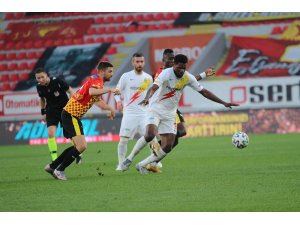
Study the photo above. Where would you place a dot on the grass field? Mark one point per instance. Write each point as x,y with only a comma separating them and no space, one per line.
200,175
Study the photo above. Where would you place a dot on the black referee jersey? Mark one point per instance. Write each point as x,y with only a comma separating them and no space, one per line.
55,94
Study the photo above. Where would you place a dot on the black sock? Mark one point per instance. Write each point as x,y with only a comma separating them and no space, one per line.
60,158
175,142
68,159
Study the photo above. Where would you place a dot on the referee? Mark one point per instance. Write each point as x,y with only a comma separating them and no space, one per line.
53,98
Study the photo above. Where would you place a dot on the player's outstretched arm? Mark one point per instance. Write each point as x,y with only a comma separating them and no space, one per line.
211,96
104,106
210,71
98,92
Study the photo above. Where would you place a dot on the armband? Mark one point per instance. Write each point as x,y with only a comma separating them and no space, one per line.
202,75
43,111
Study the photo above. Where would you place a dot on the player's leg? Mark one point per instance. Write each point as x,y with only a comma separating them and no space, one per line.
128,127
122,150
52,146
139,145
181,128
166,146
72,128
167,130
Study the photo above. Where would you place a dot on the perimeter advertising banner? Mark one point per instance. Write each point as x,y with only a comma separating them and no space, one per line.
261,57
201,124
257,93
190,45
48,30
96,129
190,18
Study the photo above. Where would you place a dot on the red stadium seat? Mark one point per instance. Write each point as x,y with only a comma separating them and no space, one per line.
111,51
111,30
109,39
68,41
120,29
28,45
11,56
129,18
14,77
99,20
9,16
139,17
101,30
31,55
4,77
23,66
3,67
89,40
5,87
108,20
119,39
119,19
38,44
2,56
92,31
159,17
19,15
12,66
141,28
99,40
31,65
24,76
151,27
58,42
19,45
10,45
13,85
78,41
49,43
149,17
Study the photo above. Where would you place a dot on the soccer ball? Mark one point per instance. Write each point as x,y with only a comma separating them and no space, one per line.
240,140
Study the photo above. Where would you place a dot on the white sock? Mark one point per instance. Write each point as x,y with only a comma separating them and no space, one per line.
122,149
153,158
139,145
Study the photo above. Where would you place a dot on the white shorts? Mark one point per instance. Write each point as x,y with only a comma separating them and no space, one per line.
165,124
132,124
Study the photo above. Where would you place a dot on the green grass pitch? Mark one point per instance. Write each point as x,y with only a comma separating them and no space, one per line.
200,175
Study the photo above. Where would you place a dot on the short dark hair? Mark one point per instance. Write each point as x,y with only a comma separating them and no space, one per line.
168,51
137,54
180,58
104,65
40,70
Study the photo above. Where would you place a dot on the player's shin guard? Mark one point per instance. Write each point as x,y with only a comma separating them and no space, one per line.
70,156
52,146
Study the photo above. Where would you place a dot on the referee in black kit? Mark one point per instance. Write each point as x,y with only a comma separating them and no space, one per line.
53,98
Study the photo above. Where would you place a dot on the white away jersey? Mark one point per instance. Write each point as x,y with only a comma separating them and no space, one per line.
133,89
165,99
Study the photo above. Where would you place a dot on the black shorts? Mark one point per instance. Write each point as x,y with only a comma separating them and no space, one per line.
72,126
53,118
179,117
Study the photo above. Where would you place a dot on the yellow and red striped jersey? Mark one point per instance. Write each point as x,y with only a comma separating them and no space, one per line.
82,101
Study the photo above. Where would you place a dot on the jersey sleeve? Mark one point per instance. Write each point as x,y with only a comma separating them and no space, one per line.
63,84
39,92
194,83
163,76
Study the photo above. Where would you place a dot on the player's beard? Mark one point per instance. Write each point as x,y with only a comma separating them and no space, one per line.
138,69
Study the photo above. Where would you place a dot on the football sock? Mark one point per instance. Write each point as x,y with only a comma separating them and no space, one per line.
52,146
60,158
175,141
153,158
70,156
122,149
139,145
